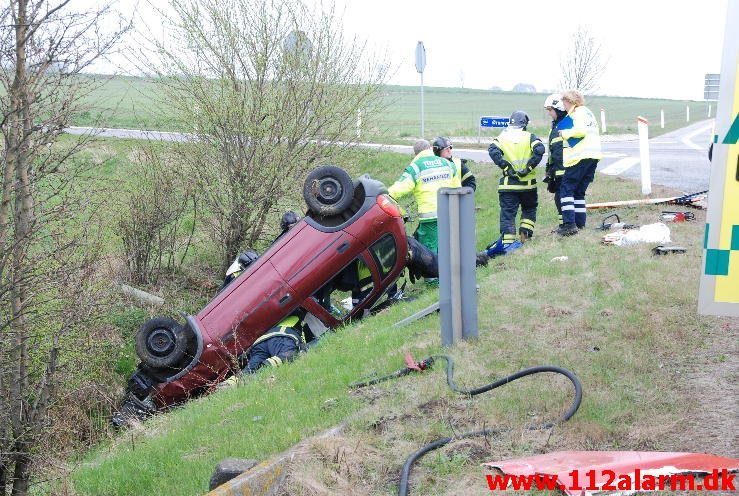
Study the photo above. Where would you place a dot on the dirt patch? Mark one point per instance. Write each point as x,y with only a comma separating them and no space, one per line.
554,311
711,391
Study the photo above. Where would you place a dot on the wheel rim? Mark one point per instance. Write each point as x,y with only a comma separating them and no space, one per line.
161,342
329,190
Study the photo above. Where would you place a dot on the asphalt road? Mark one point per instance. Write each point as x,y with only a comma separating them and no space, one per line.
679,159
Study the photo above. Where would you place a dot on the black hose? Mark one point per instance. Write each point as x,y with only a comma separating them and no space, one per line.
405,473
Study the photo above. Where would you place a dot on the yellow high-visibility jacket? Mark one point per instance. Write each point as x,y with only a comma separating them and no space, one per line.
424,176
579,130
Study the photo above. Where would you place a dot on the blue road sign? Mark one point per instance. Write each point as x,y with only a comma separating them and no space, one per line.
494,121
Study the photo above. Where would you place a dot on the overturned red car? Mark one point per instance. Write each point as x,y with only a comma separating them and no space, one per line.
351,242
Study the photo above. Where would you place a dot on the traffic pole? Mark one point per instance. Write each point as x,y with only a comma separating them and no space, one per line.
646,173
662,118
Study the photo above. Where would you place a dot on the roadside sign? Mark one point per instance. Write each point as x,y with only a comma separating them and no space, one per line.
420,57
494,121
711,86
719,285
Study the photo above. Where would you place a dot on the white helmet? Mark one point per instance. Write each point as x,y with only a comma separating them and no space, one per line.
554,101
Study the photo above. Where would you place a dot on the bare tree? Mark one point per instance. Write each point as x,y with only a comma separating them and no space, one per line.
47,249
583,63
270,90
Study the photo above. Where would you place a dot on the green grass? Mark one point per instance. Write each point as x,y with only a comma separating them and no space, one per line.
636,308
129,102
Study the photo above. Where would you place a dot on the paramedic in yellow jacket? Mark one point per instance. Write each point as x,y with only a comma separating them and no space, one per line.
429,171
517,152
580,155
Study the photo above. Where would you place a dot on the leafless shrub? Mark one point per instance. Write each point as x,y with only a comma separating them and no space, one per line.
151,211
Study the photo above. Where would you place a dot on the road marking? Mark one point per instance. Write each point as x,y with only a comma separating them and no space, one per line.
687,140
620,166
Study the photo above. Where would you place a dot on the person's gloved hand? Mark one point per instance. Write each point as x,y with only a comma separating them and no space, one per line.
523,172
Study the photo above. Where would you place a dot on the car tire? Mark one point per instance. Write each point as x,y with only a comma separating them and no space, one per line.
160,343
328,190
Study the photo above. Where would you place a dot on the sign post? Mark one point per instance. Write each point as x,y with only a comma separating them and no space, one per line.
420,66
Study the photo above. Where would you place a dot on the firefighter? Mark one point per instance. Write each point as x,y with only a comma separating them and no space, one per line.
580,154
278,345
429,171
554,168
517,152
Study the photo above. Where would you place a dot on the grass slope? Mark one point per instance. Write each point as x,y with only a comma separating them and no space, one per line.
636,309
129,102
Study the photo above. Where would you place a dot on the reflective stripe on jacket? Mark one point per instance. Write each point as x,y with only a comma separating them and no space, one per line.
518,148
555,165
424,176
579,130
286,328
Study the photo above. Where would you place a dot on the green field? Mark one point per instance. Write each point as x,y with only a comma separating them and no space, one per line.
595,314
127,102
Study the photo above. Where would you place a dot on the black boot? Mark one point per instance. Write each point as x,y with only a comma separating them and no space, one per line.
567,229
482,259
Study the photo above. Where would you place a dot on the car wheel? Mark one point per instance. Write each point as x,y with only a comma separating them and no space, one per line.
160,343
328,190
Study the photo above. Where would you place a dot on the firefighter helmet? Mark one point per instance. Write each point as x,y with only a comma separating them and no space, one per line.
519,118
554,101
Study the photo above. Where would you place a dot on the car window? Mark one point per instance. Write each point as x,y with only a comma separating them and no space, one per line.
385,254
347,290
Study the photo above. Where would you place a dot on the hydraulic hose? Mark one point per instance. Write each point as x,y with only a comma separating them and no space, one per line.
405,473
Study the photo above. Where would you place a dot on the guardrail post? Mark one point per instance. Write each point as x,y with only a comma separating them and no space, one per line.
457,283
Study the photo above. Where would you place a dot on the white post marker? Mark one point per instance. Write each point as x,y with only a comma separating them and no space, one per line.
662,118
646,173
359,123
709,110
687,113
602,120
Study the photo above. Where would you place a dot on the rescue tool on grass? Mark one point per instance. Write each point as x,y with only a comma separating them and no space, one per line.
427,363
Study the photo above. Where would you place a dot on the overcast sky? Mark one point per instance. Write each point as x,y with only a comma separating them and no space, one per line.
654,48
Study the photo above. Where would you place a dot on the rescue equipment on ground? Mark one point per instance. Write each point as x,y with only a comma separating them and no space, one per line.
605,226
666,216
650,233
427,363
692,200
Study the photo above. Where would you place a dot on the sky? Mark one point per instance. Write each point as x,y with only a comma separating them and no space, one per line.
653,48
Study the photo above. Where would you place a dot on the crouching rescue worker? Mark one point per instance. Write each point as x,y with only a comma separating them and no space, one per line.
278,345
428,172
517,152
555,168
